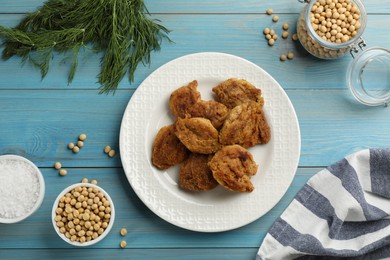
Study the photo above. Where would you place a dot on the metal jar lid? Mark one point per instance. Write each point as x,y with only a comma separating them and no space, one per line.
368,76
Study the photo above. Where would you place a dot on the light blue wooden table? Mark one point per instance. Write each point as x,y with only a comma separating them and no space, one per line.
38,119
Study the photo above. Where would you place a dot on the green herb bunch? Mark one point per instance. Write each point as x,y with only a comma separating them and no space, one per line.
120,29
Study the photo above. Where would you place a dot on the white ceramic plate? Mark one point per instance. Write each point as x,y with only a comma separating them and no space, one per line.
218,209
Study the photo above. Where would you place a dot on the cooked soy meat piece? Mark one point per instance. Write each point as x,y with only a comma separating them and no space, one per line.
214,111
195,174
197,134
245,125
232,167
183,98
233,92
167,148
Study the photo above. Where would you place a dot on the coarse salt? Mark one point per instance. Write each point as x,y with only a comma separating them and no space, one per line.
19,188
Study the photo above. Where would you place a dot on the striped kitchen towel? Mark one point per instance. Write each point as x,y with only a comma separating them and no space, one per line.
342,212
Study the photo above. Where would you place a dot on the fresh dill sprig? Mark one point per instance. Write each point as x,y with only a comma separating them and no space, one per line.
120,29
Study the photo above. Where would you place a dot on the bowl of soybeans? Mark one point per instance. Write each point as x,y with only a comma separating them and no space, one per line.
83,214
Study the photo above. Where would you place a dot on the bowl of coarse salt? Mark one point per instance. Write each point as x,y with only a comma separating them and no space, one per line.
22,188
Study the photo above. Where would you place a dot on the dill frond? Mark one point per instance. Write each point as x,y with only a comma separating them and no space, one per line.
120,29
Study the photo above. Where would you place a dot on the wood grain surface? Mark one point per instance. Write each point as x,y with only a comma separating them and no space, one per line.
40,117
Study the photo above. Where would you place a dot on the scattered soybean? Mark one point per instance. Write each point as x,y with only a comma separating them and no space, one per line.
111,153
57,165
123,244
63,172
123,232
76,149
107,149
80,144
82,137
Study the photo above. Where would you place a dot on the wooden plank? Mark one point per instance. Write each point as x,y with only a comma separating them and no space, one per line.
235,34
39,124
132,253
145,229
334,125
202,6
252,6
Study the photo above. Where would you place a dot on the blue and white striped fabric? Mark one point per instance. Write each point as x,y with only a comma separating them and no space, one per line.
342,211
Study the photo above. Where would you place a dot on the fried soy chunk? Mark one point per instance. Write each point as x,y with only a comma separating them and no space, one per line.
233,92
245,125
195,174
232,167
183,98
264,128
167,148
197,134
214,111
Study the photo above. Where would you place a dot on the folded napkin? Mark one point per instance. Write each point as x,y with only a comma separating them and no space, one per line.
342,211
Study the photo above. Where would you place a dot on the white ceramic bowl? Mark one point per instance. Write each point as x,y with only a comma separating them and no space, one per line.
93,241
19,167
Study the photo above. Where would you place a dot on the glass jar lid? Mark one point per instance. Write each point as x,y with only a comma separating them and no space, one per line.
368,77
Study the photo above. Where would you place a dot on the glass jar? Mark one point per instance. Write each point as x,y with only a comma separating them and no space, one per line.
368,75
316,44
